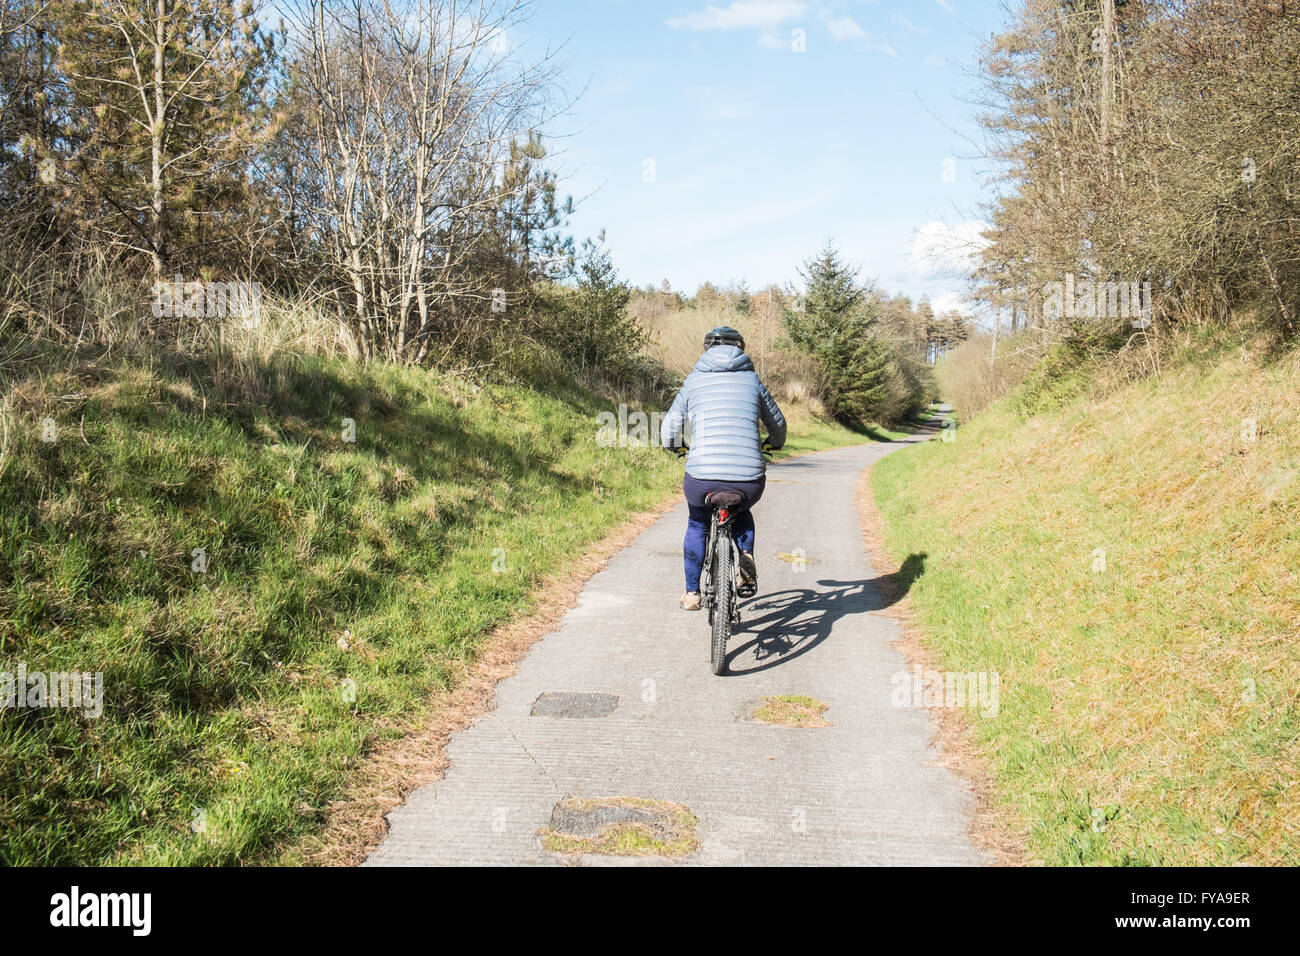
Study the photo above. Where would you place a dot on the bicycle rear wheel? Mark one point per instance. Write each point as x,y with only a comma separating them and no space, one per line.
724,598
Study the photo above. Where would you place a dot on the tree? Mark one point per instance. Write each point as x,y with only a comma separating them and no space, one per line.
531,216
607,338
166,102
835,326
707,295
738,297
1146,142
408,114
29,102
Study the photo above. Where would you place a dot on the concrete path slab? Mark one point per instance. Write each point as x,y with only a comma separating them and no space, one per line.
865,790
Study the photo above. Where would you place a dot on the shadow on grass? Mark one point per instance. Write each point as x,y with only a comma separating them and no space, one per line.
238,415
164,452
310,400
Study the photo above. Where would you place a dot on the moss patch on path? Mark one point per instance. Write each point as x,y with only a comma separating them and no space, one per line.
621,826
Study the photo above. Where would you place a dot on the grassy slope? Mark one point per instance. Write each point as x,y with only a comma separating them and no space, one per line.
1161,691
225,703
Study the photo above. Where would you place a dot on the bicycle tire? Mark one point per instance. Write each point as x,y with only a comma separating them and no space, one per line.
706,584
724,602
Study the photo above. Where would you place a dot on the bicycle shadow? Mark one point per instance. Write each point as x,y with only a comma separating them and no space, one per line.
792,622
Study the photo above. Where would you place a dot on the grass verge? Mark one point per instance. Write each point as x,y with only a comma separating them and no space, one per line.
1128,564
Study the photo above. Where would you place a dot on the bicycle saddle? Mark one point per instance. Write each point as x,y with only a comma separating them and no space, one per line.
724,499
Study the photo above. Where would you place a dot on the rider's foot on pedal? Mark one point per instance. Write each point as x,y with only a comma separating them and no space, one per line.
748,585
691,601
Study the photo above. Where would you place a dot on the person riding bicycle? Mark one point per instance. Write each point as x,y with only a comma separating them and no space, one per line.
722,401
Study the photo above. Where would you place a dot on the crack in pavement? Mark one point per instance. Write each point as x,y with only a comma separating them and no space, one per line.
524,747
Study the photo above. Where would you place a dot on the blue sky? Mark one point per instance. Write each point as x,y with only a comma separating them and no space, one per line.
709,147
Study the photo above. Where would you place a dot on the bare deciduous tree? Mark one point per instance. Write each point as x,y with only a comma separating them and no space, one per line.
408,110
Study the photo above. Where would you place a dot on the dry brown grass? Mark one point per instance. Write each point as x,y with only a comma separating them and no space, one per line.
677,336
976,374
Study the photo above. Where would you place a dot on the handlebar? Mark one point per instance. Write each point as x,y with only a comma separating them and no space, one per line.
767,448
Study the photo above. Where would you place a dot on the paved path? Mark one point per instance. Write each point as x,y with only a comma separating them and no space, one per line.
866,790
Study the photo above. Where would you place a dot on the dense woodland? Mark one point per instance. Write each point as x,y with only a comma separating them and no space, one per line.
379,162
1145,141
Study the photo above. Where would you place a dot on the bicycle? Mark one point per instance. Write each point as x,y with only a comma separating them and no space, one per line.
720,564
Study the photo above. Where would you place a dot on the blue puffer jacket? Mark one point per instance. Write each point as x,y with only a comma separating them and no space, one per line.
723,402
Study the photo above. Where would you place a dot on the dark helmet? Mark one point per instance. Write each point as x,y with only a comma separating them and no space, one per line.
724,335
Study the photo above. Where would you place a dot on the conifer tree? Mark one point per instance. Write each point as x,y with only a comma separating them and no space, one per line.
835,325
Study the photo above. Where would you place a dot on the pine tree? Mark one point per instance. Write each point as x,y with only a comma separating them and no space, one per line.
167,98
836,326
531,216
607,337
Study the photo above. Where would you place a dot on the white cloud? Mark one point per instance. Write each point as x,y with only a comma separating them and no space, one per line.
942,250
742,15
946,302
902,21
946,5
846,29
932,60
767,16
501,43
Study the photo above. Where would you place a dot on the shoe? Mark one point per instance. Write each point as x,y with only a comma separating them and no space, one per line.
691,601
748,585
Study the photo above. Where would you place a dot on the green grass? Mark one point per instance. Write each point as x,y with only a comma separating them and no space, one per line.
793,710
345,582
815,434
1148,708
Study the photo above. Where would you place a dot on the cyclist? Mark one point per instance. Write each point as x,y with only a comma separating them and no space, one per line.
722,401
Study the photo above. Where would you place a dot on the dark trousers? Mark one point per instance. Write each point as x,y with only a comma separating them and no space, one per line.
697,525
